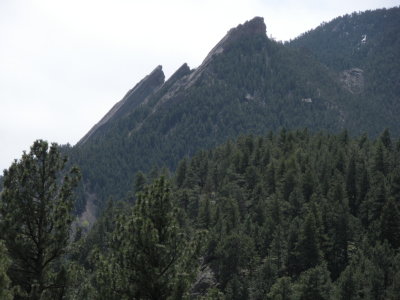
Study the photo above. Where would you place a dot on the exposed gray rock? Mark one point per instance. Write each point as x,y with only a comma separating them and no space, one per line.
204,281
183,78
137,95
353,80
256,26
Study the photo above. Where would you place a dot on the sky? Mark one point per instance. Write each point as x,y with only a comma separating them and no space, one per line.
65,63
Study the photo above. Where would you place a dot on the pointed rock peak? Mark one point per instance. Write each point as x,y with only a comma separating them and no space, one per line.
182,71
156,74
254,26
157,69
184,67
149,83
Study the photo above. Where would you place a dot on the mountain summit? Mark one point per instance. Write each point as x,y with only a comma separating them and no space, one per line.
248,83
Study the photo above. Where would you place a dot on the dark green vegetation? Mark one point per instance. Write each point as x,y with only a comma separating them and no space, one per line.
308,216
35,222
295,214
291,215
367,43
328,79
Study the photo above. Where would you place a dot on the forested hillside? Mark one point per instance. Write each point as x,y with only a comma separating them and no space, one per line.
363,49
249,84
291,215
271,171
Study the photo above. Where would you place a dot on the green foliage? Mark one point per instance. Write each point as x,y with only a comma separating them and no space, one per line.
36,215
305,231
5,290
151,256
314,283
291,215
390,223
281,290
368,41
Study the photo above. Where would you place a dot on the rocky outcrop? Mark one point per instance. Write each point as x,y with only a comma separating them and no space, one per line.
254,27
204,281
353,80
174,84
153,87
137,95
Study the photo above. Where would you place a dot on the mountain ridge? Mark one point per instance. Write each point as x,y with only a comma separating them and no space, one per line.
247,84
134,97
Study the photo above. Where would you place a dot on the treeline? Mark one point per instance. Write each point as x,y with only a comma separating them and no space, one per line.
291,215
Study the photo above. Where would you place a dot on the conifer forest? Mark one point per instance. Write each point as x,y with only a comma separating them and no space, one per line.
271,171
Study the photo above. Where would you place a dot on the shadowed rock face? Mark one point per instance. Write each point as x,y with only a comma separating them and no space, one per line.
155,81
255,26
137,95
353,80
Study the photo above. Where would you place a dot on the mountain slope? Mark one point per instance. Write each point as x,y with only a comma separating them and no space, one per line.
247,84
363,49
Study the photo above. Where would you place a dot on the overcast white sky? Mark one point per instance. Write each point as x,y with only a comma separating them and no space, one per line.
65,63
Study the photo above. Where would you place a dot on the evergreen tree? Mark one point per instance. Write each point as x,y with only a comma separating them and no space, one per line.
140,182
390,223
281,290
5,291
346,285
379,163
36,215
385,139
315,283
152,256
309,251
237,255
264,278
293,265
351,186
181,172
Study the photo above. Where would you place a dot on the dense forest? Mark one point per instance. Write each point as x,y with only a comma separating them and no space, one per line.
291,215
265,173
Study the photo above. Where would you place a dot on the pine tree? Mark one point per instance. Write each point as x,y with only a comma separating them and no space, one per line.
5,291
309,251
140,181
152,256
379,163
390,223
36,208
293,264
346,285
385,139
315,283
264,277
181,172
351,186
281,290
